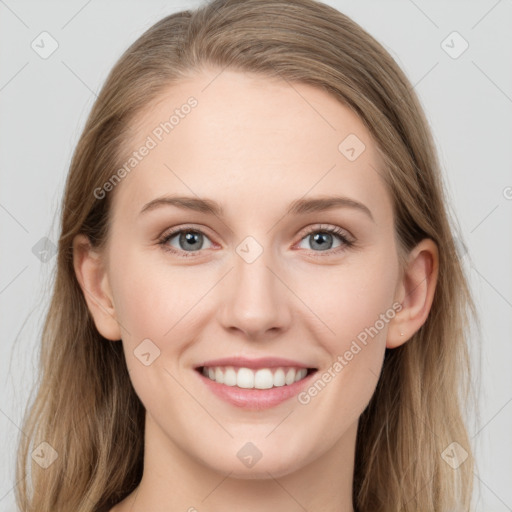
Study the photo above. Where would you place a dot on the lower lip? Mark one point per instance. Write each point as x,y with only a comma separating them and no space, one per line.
255,399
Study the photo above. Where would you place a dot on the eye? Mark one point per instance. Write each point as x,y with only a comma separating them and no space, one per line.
189,241
323,239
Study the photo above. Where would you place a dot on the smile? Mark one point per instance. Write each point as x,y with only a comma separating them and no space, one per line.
257,388
247,378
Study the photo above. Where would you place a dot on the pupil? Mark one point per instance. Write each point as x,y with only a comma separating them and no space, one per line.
190,237
321,236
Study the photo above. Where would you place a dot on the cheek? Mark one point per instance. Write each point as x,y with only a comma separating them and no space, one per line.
351,302
359,306
149,296
152,308
158,302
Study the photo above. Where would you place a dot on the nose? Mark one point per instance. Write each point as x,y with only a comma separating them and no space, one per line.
255,299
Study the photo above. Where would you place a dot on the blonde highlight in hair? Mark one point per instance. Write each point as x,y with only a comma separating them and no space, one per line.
86,407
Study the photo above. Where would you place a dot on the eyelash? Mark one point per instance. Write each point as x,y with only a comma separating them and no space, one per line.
346,243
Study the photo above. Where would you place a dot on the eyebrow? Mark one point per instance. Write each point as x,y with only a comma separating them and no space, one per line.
298,207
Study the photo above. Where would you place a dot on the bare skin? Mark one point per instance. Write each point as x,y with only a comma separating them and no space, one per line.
253,145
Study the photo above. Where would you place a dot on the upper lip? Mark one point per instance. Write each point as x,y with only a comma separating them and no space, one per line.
262,362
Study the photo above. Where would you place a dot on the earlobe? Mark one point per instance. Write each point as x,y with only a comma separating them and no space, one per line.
93,279
415,292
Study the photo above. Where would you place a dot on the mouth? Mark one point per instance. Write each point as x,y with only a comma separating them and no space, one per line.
255,389
252,378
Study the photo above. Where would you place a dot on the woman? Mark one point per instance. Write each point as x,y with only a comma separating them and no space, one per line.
258,302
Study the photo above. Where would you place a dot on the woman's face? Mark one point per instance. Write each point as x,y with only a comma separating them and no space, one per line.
252,272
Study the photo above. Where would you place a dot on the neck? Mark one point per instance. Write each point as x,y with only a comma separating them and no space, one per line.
175,480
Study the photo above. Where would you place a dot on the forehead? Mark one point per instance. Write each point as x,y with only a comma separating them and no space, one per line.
251,140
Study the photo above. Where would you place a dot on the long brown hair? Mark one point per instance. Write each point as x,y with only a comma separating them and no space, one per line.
86,408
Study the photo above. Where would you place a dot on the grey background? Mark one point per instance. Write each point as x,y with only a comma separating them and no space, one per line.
468,102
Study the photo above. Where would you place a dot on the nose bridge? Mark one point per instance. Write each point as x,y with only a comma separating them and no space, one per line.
254,300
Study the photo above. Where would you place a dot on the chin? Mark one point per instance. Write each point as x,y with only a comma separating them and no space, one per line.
263,469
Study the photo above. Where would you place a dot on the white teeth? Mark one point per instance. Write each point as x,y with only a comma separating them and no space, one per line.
230,378
244,378
219,375
264,378
290,376
279,379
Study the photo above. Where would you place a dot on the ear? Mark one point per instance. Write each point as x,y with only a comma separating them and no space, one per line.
93,279
415,292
